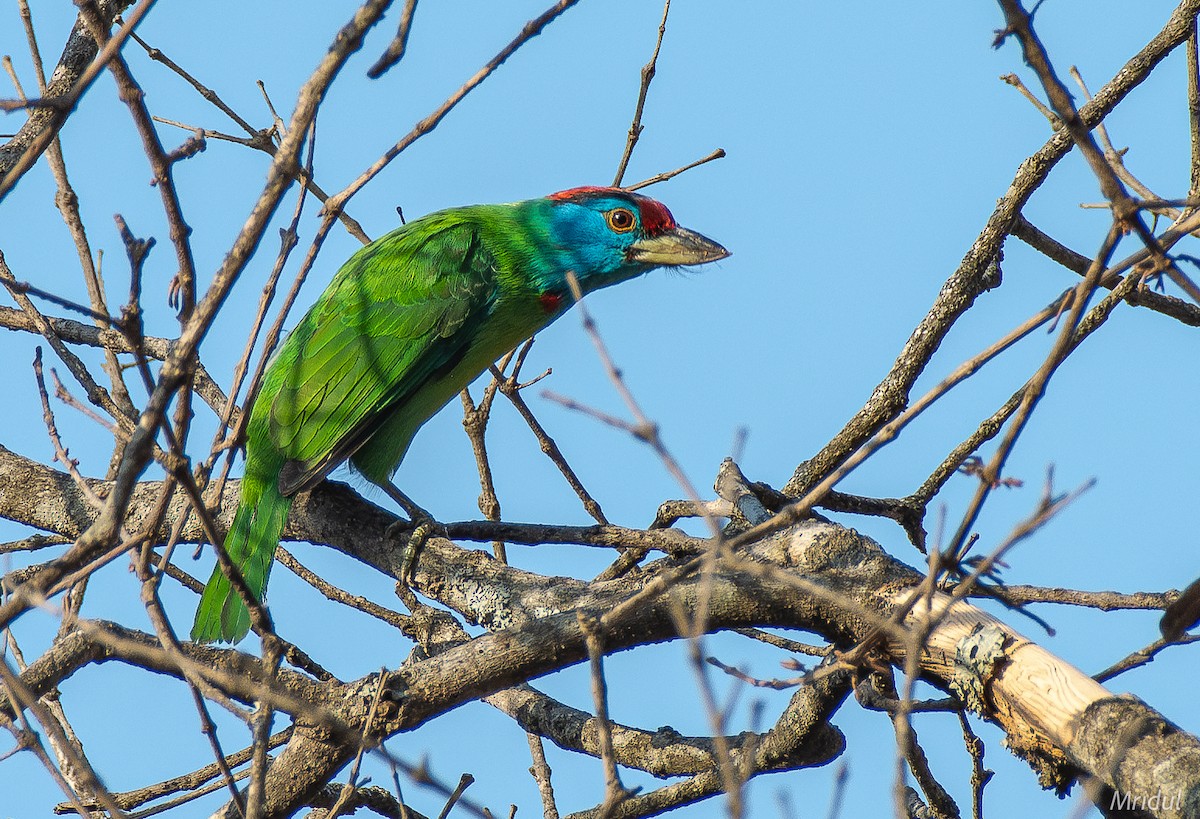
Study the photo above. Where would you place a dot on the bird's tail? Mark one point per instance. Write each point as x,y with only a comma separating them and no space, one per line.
250,544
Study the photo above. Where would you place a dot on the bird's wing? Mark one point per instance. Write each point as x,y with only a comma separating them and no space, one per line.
395,316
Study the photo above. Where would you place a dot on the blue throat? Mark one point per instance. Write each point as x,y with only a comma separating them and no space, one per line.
576,239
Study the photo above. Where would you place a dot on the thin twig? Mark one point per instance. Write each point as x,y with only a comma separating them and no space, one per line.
980,775
398,45
352,778
635,127
614,791
529,31
719,153
63,105
511,388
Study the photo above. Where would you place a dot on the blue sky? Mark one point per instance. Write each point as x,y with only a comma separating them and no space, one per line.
866,146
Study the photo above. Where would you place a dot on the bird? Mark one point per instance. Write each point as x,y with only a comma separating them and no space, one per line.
406,323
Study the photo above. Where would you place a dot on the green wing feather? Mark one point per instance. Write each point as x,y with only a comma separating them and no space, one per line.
399,314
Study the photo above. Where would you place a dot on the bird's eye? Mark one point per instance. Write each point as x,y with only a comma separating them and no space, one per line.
620,220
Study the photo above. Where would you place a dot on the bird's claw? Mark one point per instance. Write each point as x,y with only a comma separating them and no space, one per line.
413,533
420,526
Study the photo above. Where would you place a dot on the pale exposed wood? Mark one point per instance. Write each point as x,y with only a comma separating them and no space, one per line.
1061,720
1031,685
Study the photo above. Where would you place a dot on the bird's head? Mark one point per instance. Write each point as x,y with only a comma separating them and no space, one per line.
608,235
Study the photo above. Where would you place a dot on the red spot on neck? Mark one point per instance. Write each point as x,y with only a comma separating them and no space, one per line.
551,302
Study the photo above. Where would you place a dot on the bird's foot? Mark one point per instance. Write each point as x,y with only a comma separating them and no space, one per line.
413,532
412,549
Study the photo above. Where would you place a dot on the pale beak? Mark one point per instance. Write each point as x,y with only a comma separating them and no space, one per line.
678,246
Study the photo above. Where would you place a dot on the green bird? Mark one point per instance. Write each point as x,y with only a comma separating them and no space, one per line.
405,325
